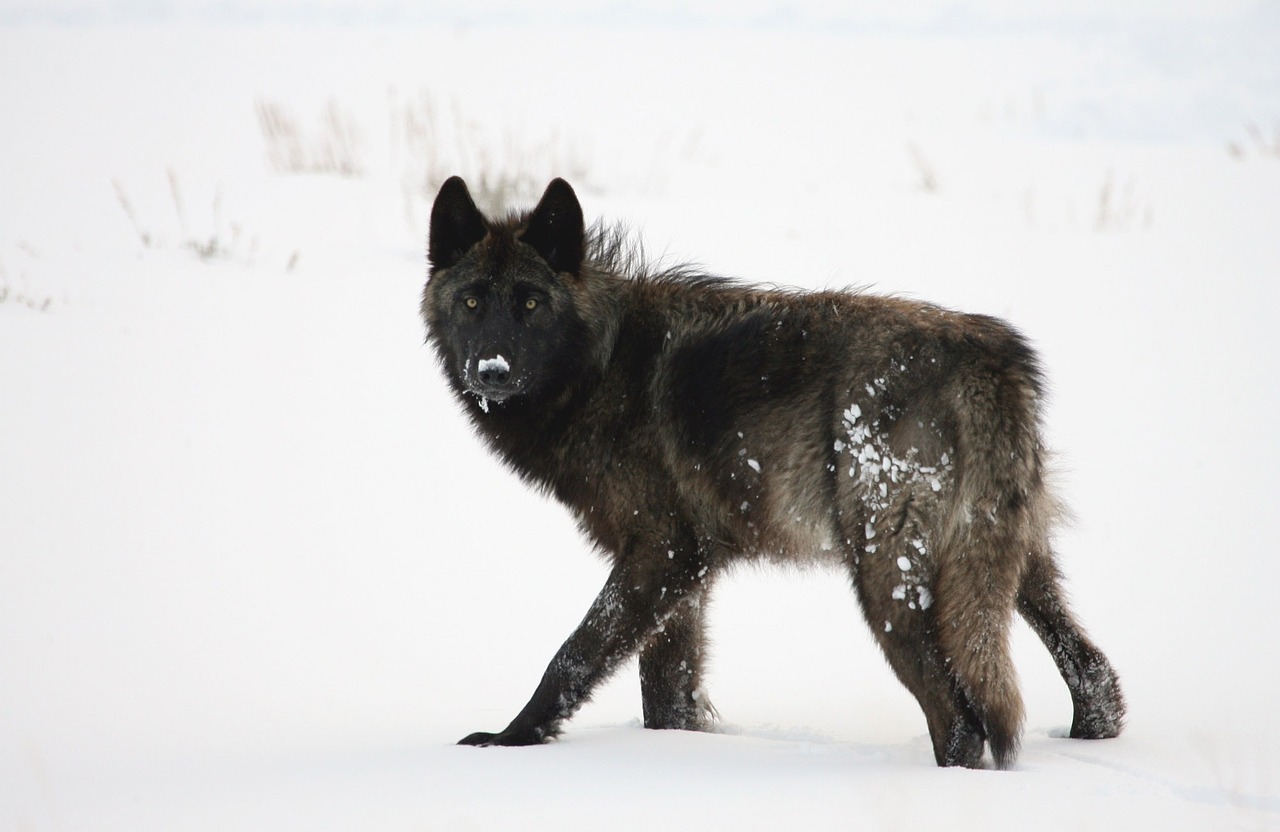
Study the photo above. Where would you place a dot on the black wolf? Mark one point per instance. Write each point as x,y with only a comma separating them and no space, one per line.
690,422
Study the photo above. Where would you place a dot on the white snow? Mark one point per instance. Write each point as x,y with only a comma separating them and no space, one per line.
250,576
497,363
755,465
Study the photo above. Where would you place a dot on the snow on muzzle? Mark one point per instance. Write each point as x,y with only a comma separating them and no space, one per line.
492,378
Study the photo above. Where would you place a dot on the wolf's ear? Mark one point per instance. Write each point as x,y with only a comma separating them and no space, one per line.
456,224
555,228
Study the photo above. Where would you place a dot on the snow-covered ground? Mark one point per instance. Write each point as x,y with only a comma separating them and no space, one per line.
256,574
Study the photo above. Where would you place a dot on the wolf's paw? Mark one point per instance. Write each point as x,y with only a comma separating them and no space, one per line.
484,739
1099,704
480,738
1100,724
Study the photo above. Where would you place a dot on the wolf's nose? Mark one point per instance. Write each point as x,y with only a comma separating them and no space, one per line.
494,376
496,370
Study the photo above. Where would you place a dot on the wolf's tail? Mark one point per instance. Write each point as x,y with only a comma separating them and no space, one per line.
1001,515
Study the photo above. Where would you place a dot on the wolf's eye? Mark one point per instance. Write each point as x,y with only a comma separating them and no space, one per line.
471,303
531,304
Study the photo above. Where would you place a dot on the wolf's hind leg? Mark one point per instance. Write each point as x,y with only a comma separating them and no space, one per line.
1095,688
671,673
910,643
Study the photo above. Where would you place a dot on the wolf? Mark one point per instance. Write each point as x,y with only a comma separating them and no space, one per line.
692,422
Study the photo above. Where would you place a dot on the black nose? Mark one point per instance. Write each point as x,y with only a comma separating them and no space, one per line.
493,377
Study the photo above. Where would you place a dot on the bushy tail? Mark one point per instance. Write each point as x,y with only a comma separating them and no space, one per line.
976,590
1001,514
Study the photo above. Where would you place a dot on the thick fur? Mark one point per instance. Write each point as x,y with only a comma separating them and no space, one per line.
691,422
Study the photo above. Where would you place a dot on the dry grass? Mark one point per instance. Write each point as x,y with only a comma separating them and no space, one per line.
14,289
504,163
1119,208
1259,144
331,145
221,241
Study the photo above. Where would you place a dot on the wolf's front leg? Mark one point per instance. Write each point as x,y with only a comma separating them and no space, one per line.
635,604
671,690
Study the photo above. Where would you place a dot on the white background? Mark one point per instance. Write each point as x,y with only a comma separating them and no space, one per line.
255,573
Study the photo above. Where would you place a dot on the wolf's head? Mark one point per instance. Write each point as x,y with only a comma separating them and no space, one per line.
499,302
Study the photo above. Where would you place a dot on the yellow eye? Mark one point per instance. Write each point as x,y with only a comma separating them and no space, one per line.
531,304
471,303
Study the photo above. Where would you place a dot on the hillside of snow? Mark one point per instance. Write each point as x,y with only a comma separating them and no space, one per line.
256,573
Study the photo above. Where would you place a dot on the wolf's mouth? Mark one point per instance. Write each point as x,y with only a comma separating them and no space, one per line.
488,396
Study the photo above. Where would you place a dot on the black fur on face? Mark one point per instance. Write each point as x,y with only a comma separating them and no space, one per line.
498,302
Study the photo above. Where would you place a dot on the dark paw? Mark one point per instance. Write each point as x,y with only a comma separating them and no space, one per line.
484,739
963,748
1097,725
679,719
480,738
1099,706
